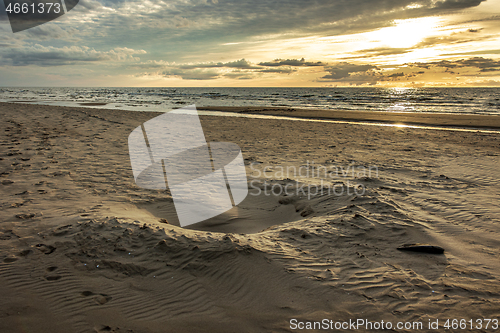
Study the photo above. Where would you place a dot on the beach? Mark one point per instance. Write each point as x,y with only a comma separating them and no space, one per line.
84,249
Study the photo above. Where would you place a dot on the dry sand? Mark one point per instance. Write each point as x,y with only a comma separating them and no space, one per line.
83,249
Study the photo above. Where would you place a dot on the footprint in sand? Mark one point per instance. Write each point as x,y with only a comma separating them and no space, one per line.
25,216
10,259
100,299
47,249
7,234
61,231
107,328
23,193
25,252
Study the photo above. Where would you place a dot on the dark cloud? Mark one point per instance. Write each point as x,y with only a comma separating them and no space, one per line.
211,70
344,70
482,64
357,74
291,62
242,64
192,74
457,4
52,56
242,69
396,75
288,70
377,52
365,74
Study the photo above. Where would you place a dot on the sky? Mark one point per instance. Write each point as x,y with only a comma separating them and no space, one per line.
258,43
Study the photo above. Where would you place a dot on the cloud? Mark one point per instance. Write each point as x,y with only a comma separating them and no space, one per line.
192,74
238,69
457,4
483,64
207,73
461,37
480,63
242,64
180,27
466,36
39,55
481,52
344,70
285,70
440,71
291,62
378,52
49,31
488,83
205,70
239,75
395,75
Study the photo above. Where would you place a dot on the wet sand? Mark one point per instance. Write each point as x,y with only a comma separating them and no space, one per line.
408,118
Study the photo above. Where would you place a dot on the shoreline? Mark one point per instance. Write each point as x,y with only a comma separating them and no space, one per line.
430,120
395,118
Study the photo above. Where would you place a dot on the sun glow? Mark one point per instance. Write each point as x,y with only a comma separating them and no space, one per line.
405,33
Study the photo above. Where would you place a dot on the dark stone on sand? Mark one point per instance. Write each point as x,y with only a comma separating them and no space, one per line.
47,249
93,104
422,248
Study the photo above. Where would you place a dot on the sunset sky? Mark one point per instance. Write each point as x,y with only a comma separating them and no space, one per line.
214,43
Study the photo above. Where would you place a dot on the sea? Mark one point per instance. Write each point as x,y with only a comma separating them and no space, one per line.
427,100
